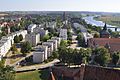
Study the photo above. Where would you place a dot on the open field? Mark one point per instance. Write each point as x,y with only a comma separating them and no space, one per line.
112,20
33,75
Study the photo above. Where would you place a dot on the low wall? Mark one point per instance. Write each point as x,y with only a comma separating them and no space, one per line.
100,73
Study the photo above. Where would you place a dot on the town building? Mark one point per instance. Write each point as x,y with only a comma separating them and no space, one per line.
5,45
84,72
63,34
50,47
40,54
7,41
58,40
41,31
31,27
55,45
33,38
51,24
112,44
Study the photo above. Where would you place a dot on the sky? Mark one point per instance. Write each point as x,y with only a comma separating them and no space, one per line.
60,5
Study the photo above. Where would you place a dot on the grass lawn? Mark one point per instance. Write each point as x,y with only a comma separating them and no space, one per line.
33,75
112,20
15,59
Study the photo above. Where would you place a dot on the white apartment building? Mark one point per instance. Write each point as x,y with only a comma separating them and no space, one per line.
58,40
51,24
31,27
22,32
63,34
55,46
41,31
5,46
7,41
33,38
50,47
40,54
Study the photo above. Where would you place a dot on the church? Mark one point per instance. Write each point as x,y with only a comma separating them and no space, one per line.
104,33
105,40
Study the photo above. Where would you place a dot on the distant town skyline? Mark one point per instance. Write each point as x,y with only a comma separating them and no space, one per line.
60,5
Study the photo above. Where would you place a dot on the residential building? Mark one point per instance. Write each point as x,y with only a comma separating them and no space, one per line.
51,24
58,40
7,41
41,31
33,38
31,27
5,46
63,34
40,54
55,46
50,47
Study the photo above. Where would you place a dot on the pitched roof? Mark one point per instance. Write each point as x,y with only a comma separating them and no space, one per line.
114,43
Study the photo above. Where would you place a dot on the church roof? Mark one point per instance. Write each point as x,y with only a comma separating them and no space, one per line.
104,31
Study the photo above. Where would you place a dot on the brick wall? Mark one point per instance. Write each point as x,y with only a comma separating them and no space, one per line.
99,73
86,72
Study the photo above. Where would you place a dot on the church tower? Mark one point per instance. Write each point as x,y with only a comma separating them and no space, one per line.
104,33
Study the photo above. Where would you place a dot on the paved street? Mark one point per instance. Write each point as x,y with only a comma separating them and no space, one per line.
7,61
36,67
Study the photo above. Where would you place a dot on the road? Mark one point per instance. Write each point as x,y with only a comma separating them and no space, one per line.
7,62
36,67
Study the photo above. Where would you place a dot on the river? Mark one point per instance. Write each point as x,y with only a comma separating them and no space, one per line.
90,20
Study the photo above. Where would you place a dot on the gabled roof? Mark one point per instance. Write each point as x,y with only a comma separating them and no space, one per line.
114,43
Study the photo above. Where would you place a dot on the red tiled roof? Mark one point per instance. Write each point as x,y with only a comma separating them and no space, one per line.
114,43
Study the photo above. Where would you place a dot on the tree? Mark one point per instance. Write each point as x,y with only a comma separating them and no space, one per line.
20,37
26,47
63,43
101,56
69,35
45,38
7,73
81,40
55,54
14,49
3,33
96,35
16,39
115,58
115,34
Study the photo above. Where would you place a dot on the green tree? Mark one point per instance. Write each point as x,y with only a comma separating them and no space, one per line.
69,35
81,40
20,37
63,43
26,47
16,39
14,49
7,73
96,35
55,55
45,38
102,57
3,33
115,58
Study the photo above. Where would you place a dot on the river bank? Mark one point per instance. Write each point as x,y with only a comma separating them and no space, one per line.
91,20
